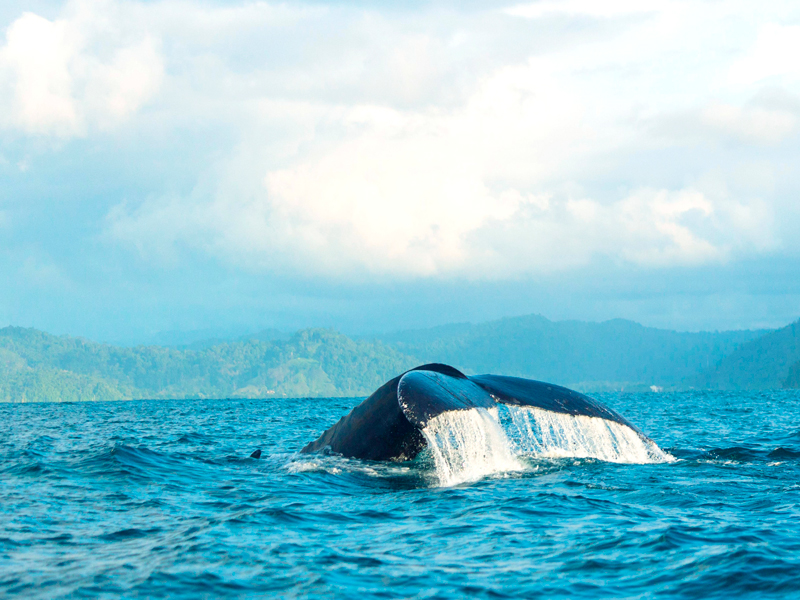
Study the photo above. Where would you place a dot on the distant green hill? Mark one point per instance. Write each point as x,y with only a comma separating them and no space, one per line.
589,356
793,379
618,354
768,362
36,366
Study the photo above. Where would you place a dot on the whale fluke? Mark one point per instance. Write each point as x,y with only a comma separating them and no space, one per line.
388,425
423,395
555,398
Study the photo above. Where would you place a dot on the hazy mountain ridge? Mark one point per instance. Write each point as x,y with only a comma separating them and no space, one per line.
793,378
586,355
769,361
617,354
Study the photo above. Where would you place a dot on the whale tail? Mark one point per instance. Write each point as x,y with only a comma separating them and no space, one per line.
388,425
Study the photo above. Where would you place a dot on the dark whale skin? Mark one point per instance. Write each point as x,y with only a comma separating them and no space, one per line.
377,429
388,425
547,396
423,395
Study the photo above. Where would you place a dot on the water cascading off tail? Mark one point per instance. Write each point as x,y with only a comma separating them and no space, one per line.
470,444
467,445
554,435
477,425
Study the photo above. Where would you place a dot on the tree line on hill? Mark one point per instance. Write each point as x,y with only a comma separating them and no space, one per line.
36,366
613,355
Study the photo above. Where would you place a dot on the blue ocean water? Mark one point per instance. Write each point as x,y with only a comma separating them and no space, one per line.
153,499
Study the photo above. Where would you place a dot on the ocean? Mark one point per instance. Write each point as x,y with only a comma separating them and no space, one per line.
159,499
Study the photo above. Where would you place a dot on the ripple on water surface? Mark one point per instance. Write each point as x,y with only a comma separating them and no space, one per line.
159,499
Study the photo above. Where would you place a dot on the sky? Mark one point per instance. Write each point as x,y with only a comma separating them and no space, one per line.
184,165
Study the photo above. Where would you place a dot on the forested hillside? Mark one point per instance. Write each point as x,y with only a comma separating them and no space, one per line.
36,366
793,378
589,356
769,361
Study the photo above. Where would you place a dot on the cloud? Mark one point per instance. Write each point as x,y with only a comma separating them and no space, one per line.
607,9
42,272
726,122
774,54
61,77
437,142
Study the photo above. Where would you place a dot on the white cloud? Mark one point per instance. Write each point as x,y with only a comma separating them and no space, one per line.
774,54
36,60
647,227
432,143
751,123
725,122
63,76
591,8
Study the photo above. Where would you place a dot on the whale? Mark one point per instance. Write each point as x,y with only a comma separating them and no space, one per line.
388,425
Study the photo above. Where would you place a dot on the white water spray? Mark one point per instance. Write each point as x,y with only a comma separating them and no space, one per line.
555,435
467,445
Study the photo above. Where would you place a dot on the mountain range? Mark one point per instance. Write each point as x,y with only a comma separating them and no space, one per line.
611,355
